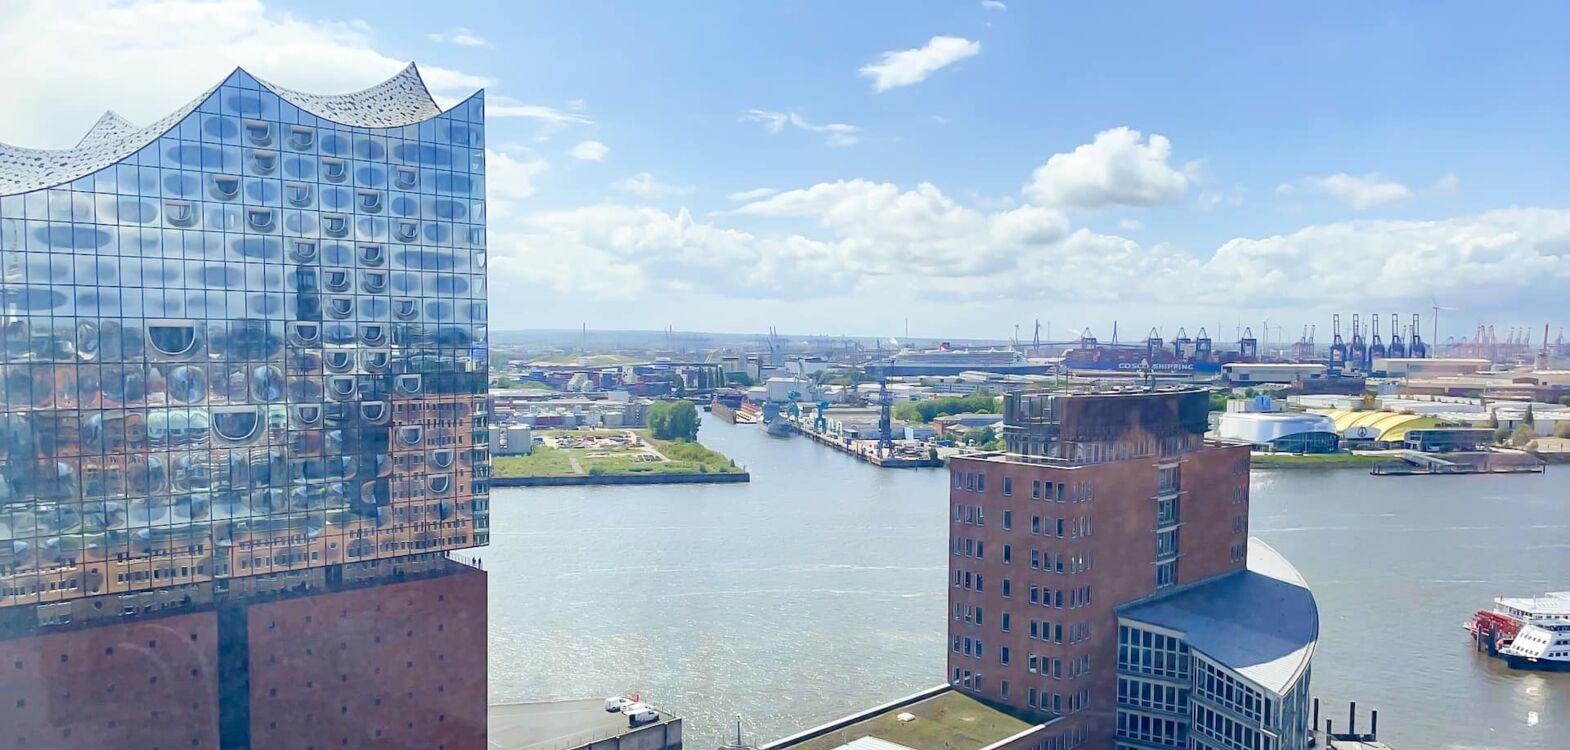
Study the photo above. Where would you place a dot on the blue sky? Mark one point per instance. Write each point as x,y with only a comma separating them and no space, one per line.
1161,164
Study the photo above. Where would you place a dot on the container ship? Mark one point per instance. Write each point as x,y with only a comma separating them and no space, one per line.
1184,356
946,360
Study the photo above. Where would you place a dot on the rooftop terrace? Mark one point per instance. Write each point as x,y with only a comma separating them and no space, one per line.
946,720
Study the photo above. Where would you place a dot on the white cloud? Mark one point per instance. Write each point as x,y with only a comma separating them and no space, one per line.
993,5
1211,200
753,194
1115,169
1513,257
912,66
837,133
1355,192
145,58
502,107
1130,225
589,151
1450,183
875,240
510,172
645,186
460,36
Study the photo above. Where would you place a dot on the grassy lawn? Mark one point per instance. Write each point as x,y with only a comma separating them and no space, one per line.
685,458
545,462
1326,460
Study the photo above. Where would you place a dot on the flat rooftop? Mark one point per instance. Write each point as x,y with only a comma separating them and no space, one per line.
950,720
1551,603
1261,622
556,724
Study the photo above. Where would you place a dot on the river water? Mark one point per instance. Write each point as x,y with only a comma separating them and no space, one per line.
819,589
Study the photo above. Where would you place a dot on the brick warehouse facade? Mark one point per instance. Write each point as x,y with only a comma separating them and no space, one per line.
1101,499
401,664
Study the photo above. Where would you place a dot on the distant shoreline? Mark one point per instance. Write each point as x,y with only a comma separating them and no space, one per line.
612,479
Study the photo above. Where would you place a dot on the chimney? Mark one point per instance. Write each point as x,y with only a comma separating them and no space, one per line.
1351,719
1373,718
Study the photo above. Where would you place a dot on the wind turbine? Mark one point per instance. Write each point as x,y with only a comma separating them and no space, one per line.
1437,308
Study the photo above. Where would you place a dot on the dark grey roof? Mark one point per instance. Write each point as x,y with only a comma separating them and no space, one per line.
396,102
1261,622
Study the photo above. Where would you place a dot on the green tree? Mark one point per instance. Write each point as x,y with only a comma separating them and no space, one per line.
1524,433
1529,418
1562,429
658,418
1501,434
1564,400
673,420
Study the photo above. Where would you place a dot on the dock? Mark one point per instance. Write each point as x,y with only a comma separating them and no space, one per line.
1415,463
864,450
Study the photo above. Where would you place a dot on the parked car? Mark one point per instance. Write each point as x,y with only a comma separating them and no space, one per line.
643,715
613,705
633,706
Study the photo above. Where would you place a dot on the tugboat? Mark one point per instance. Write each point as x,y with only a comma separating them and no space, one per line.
1527,632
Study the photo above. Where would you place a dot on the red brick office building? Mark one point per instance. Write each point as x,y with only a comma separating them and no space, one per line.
1100,499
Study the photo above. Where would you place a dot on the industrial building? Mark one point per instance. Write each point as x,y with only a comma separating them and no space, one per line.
512,440
616,410
244,425
1406,367
1102,581
1255,373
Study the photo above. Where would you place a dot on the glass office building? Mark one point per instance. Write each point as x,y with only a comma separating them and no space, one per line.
1223,665
242,343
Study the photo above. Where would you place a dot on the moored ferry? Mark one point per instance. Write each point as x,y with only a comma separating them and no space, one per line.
1527,632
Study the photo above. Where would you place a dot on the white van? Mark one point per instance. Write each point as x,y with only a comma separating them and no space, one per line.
643,715
616,704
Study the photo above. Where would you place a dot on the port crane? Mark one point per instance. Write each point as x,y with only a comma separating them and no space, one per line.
1397,346
1337,345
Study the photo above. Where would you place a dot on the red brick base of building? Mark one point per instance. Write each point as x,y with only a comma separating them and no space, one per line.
400,664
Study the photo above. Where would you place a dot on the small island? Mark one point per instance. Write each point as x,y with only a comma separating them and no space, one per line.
628,456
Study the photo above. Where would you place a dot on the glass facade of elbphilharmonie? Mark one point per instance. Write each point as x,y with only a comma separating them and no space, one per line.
240,345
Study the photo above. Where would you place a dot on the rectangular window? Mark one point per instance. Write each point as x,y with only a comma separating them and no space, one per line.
1060,528
1005,622
1003,688
1008,486
981,482
1166,543
1008,516
1035,489
1008,554
1166,574
1007,591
